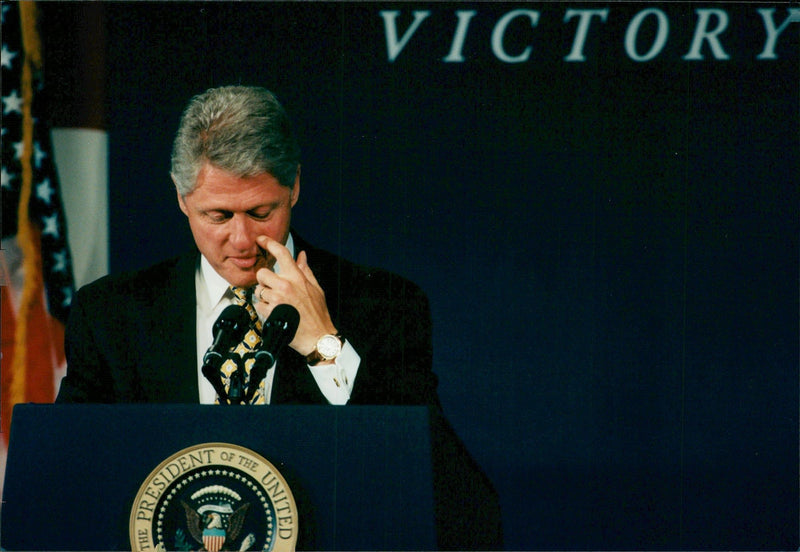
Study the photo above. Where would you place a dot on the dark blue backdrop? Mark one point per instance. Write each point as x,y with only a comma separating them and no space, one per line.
610,246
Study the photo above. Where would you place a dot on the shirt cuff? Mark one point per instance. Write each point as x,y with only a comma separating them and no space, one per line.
336,380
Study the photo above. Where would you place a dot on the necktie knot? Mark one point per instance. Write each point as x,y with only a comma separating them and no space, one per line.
242,297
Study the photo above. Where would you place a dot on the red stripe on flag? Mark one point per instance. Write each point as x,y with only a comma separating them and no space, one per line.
44,348
8,332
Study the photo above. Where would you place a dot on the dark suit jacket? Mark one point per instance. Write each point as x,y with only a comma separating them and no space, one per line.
132,337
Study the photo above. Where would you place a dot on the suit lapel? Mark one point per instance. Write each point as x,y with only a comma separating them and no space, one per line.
184,387
169,371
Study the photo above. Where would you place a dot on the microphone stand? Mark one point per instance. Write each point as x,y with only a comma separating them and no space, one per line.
235,389
211,373
264,361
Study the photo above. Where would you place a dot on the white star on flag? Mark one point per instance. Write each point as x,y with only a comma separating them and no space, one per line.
50,226
5,178
60,261
44,190
6,56
12,103
67,291
39,155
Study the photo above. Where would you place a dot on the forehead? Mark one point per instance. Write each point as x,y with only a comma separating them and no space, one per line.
219,188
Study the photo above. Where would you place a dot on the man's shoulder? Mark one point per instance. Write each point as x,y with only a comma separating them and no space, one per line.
145,281
343,274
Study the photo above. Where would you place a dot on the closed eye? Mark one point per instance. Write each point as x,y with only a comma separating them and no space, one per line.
219,216
259,215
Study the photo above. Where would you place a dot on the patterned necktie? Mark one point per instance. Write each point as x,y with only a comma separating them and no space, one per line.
235,381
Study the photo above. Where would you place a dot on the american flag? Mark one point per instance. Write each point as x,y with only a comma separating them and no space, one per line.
37,280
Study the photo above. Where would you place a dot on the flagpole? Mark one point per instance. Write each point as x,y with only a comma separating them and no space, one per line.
26,237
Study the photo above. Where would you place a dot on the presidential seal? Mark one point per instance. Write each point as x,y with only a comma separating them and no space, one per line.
214,497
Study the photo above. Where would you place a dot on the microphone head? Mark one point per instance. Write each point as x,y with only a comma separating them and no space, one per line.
286,318
233,322
280,327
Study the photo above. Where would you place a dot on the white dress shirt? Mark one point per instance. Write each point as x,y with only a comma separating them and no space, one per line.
213,295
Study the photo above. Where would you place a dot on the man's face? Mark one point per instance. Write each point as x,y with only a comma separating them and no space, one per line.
227,212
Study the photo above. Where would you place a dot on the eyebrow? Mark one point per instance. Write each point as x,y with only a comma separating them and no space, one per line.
268,206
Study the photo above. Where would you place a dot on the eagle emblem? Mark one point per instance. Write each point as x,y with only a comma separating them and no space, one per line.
215,522
214,497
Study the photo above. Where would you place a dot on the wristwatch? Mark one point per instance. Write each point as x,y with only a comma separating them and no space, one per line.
328,348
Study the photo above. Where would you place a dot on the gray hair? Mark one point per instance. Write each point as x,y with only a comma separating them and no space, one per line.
240,129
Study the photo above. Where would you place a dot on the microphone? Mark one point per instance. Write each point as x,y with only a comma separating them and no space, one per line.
228,330
277,332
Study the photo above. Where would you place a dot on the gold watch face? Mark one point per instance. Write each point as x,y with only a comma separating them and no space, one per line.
329,347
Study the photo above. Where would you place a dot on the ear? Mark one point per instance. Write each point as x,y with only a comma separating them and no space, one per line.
181,202
296,188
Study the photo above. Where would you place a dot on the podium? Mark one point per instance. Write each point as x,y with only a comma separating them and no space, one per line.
363,477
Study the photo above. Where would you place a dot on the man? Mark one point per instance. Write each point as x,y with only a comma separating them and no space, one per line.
141,337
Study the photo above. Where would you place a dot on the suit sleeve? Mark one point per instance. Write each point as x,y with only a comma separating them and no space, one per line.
390,327
88,378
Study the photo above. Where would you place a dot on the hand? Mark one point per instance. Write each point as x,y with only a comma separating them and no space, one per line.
296,285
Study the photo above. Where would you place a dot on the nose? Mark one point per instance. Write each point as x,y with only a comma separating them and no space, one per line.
242,232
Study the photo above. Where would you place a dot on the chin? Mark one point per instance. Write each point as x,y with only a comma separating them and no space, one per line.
242,279
248,281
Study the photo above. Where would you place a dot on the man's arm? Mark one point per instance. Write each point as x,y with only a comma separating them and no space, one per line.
385,318
87,378
389,320
296,285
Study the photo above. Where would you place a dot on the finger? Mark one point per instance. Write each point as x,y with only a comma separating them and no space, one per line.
263,309
302,264
281,253
274,286
302,260
261,294
266,277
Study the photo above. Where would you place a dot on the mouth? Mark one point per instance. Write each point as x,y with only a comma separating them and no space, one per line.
248,262
245,262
